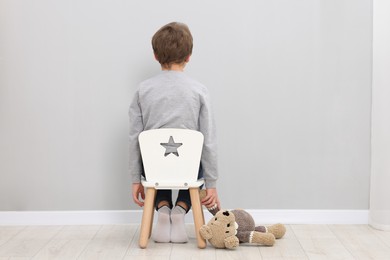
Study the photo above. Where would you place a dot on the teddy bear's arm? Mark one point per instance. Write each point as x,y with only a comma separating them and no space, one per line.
205,232
231,242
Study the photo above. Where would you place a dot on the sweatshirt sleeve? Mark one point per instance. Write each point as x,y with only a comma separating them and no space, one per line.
136,127
209,153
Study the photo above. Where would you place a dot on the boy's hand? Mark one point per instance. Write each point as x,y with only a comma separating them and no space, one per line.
138,189
211,198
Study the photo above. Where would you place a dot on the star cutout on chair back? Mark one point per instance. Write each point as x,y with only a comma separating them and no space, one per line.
171,147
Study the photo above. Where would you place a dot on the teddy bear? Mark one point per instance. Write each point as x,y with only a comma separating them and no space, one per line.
227,229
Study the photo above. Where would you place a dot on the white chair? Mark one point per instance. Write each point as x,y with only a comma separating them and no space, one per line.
171,159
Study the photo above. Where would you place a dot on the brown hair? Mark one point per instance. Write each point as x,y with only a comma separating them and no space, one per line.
172,43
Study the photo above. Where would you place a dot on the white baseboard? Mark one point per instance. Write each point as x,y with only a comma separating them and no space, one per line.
311,216
107,217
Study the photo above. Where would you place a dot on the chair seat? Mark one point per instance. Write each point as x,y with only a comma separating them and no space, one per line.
162,185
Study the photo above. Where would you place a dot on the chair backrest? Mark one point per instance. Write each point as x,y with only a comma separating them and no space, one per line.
171,155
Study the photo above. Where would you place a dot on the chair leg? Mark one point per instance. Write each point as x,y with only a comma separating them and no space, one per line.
198,216
147,217
151,222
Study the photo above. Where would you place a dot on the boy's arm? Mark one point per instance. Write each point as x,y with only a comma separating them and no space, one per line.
137,191
136,127
209,152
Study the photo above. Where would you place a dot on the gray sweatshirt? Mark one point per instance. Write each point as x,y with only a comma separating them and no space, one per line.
171,99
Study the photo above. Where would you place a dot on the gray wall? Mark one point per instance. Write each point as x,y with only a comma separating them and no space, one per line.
290,82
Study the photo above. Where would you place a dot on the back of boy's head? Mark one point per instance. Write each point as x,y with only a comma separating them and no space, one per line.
172,43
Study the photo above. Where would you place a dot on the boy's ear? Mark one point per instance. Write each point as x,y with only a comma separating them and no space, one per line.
188,58
155,56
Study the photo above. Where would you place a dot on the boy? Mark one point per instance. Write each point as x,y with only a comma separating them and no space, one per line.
173,100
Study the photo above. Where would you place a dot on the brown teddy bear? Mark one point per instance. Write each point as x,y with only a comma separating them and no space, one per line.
229,228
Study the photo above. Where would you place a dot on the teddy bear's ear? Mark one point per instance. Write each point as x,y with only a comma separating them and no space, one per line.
205,232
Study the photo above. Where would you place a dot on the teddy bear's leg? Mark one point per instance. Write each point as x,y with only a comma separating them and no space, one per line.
278,230
261,229
213,210
255,237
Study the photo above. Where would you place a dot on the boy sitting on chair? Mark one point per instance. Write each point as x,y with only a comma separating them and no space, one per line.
171,99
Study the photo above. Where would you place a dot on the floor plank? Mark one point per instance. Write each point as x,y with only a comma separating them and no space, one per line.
29,241
8,232
121,242
110,242
62,249
69,243
190,250
153,249
78,232
319,242
288,247
105,249
383,235
361,241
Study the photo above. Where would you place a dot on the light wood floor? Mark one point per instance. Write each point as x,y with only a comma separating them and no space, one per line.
121,242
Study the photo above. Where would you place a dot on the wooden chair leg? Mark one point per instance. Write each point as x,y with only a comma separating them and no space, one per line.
198,216
147,217
151,222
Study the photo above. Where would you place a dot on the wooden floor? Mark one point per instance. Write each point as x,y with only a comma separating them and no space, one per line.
121,242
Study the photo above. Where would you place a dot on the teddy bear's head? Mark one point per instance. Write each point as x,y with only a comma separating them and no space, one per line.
220,227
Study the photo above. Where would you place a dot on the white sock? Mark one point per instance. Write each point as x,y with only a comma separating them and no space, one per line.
162,231
178,229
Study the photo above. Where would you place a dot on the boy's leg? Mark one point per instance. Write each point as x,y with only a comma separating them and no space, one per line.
183,198
162,232
183,205
163,198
